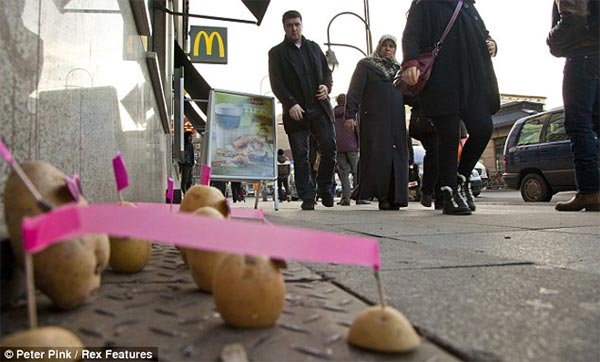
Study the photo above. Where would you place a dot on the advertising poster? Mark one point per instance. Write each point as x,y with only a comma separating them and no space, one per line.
241,142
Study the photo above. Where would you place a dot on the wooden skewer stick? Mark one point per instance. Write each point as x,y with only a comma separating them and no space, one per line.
380,288
31,302
29,273
30,186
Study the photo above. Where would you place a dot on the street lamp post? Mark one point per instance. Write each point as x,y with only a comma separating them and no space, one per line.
368,26
261,83
330,54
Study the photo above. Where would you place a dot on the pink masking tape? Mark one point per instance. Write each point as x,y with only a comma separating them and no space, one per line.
170,189
121,177
205,174
5,153
191,231
249,214
236,213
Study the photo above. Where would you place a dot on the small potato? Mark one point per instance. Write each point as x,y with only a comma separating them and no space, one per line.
67,272
129,255
383,330
203,263
201,195
55,338
249,291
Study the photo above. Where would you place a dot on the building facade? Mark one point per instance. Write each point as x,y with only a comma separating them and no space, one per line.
77,89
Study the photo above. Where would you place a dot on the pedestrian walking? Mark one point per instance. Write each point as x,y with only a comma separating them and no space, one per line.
283,174
301,80
237,192
376,107
347,151
186,166
462,85
574,35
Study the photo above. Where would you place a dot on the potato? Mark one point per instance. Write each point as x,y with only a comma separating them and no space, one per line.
129,255
203,263
201,195
55,338
67,272
383,329
249,291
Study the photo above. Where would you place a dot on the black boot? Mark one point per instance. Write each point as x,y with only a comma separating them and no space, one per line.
464,185
454,204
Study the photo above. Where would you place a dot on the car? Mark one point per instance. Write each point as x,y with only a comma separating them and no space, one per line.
537,157
476,183
483,174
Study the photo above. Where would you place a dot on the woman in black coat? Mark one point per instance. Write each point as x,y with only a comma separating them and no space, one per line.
379,108
462,85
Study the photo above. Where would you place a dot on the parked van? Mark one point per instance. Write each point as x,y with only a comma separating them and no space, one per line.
537,156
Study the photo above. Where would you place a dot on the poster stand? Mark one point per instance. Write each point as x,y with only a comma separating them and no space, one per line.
240,141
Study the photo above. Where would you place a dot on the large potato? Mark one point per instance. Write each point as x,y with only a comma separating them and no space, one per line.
203,263
249,291
55,338
384,330
67,272
201,195
128,255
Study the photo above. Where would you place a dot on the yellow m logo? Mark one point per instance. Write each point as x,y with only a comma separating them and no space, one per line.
208,39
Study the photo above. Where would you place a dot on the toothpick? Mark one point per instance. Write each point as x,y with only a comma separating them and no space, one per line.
31,303
380,288
30,186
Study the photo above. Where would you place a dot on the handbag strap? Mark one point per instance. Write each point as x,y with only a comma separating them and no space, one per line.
450,24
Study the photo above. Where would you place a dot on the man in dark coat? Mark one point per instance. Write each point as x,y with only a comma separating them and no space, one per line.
574,35
462,85
301,80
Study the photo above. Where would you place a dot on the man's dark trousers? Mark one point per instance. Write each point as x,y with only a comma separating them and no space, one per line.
323,131
581,100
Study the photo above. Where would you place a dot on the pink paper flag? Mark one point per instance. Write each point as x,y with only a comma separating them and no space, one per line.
193,231
73,186
170,189
6,155
205,174
121,177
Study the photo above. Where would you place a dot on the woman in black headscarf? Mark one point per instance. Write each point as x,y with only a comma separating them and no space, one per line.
462,85
378,106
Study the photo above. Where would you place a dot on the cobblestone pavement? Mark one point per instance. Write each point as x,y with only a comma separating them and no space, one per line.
161,307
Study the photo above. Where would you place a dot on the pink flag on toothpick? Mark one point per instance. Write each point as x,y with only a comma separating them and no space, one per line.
205,174
121,177
170,189
6,155
73,186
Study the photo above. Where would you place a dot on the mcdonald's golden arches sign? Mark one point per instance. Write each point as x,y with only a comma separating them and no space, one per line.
208,44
